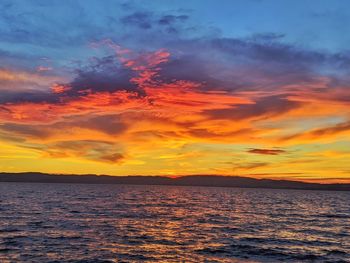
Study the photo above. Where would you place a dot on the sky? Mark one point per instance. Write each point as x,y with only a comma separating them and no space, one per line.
251,88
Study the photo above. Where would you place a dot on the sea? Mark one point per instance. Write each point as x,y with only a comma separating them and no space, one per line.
137,223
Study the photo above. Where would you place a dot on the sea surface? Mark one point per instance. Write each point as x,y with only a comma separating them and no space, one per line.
125,223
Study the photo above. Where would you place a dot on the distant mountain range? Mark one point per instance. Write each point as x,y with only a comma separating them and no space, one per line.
193,180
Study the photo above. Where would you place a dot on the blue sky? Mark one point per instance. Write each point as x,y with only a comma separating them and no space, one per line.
45,26
61,34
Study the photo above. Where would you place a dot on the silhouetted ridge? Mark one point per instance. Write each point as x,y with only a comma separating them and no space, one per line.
193,180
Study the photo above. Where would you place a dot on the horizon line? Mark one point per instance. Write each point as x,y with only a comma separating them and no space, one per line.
249,176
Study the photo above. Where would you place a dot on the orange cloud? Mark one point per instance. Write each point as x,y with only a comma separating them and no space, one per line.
320,134
175,125
59,88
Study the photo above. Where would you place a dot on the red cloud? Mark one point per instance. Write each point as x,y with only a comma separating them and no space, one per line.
60,88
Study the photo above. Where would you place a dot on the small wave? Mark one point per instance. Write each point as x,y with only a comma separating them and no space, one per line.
167,242
336,252
10,242
244,250
253,250
66,238
134,257
308,257
9,230
35,223
4,250
219,250
88,260
341,216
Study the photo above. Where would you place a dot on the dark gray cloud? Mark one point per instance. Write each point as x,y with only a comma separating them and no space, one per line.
323,132
142,20
262,108
108,124
266,151
341,127
112,158
204,133
35,96
25,130
95,150
145,20
233,64
171,19
104,75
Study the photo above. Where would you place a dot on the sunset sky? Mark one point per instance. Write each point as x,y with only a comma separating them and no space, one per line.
251,88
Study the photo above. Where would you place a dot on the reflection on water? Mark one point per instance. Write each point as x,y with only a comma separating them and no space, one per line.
116,223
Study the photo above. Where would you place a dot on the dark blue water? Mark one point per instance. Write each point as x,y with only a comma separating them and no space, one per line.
116,223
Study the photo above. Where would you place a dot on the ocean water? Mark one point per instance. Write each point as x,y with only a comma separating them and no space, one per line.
124,223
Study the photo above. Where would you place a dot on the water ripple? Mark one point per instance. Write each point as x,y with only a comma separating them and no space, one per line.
116,223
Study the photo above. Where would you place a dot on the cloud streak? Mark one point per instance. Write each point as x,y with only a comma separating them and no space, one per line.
267,151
